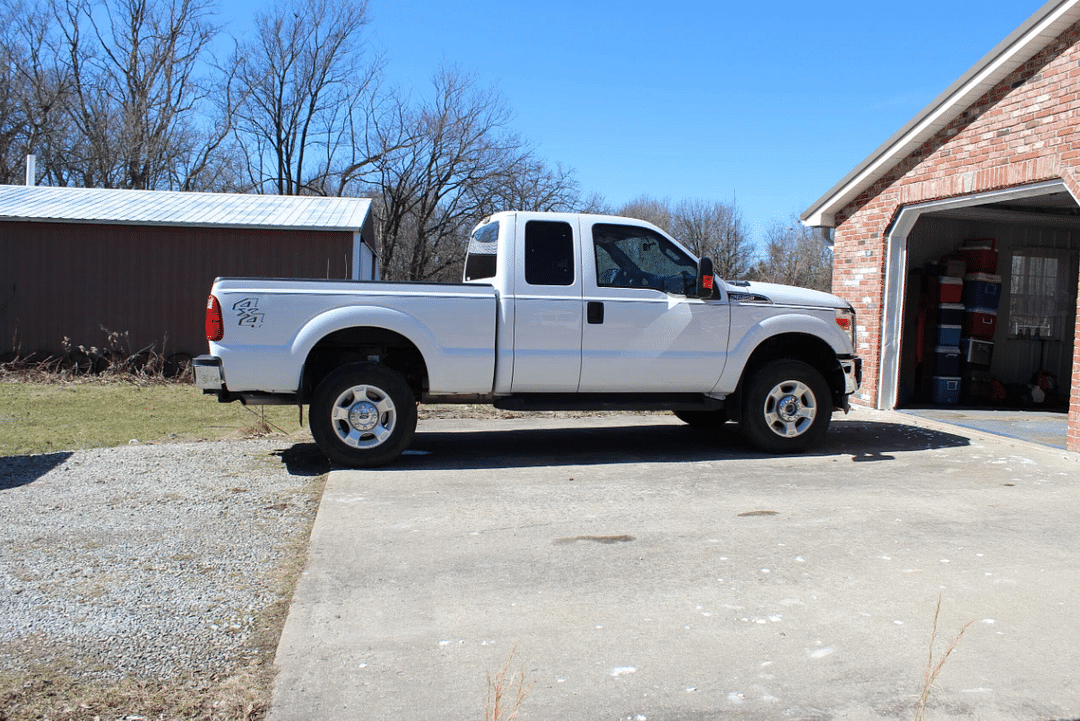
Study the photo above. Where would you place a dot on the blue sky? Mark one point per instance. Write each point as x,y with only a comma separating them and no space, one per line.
764,104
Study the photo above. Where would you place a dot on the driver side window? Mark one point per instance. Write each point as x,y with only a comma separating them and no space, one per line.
632,257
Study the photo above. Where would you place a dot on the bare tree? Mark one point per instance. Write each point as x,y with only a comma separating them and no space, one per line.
651,210
527,183
305,85
715,230
793,256
708,228
459,163
34,92
136,92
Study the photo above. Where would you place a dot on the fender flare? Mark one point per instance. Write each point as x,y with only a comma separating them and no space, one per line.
369,316
794,323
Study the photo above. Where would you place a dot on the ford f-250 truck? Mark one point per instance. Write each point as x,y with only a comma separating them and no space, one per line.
557,311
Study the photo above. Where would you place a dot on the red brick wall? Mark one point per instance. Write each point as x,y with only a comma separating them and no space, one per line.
1025,130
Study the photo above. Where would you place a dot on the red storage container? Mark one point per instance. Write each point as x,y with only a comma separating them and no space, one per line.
946,289
979,254
980,323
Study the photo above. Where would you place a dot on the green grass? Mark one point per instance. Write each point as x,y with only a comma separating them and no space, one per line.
44,417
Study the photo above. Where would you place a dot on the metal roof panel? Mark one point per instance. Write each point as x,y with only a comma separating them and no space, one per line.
155,207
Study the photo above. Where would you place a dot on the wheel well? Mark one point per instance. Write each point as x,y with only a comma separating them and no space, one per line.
801,347
370,345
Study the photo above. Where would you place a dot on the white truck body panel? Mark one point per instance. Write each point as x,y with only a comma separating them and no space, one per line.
264,349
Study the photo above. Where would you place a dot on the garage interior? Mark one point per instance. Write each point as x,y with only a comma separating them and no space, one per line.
1030,356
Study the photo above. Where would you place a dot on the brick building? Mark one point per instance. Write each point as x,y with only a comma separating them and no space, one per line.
996,156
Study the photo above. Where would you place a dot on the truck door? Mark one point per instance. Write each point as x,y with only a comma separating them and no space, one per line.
643,331
548,309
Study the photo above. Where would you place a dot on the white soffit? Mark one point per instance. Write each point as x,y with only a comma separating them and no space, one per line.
1033,36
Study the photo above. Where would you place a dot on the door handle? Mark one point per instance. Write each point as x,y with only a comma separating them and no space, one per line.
594,312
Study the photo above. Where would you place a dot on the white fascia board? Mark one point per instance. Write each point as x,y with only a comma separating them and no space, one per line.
1025,42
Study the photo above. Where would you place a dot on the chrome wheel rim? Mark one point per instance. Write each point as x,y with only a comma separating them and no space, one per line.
790,409
363,416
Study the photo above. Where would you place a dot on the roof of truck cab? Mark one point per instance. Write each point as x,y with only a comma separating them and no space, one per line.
176,208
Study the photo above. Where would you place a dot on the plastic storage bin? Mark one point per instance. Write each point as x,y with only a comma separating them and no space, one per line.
979,255
976,354
954,266
980,323
982,291
946,289
976,388
951,314
946,390
946,361
949,335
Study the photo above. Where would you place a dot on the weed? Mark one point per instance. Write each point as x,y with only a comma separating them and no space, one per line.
506,692
261,424
934,670
115,359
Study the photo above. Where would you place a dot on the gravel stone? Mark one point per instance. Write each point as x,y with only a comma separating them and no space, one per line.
149,561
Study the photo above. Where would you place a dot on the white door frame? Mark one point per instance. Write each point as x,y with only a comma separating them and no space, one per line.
896,275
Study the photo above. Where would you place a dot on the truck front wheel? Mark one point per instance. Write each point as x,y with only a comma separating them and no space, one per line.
363,415
787,407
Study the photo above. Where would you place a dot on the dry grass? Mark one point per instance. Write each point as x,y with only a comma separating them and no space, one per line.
933,670
114,358
506,692
57,693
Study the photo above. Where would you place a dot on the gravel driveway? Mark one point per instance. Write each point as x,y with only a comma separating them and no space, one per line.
151,560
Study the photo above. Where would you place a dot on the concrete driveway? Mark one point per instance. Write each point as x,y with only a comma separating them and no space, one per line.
633,568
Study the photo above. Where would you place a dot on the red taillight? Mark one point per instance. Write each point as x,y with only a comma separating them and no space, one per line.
215,326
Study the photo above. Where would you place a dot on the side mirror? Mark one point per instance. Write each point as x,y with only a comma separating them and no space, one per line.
705,287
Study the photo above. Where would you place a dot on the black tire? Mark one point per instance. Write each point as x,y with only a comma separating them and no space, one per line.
703,419
786,407
363,415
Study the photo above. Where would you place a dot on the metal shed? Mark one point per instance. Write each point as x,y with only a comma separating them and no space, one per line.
79,263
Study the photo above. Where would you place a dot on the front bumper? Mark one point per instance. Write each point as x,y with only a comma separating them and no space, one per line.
852,374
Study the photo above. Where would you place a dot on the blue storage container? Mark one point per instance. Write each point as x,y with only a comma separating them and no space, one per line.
946,390
948,335
946,361
982,291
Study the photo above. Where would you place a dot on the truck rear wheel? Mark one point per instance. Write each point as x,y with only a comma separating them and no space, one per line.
363,415
787,407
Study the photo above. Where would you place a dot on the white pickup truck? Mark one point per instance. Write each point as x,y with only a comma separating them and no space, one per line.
557,311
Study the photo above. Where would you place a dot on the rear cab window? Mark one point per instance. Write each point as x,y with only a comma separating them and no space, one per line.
481,262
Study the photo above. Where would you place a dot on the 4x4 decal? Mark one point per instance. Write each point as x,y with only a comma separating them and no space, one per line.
248,312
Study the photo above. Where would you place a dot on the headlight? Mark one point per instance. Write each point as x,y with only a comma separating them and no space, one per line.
845,318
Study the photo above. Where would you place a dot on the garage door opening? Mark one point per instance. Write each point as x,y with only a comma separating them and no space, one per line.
984,312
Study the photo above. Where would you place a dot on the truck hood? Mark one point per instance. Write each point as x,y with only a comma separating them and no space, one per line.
752,291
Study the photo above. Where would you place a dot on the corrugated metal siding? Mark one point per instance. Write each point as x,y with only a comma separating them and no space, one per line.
68,280
154,207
